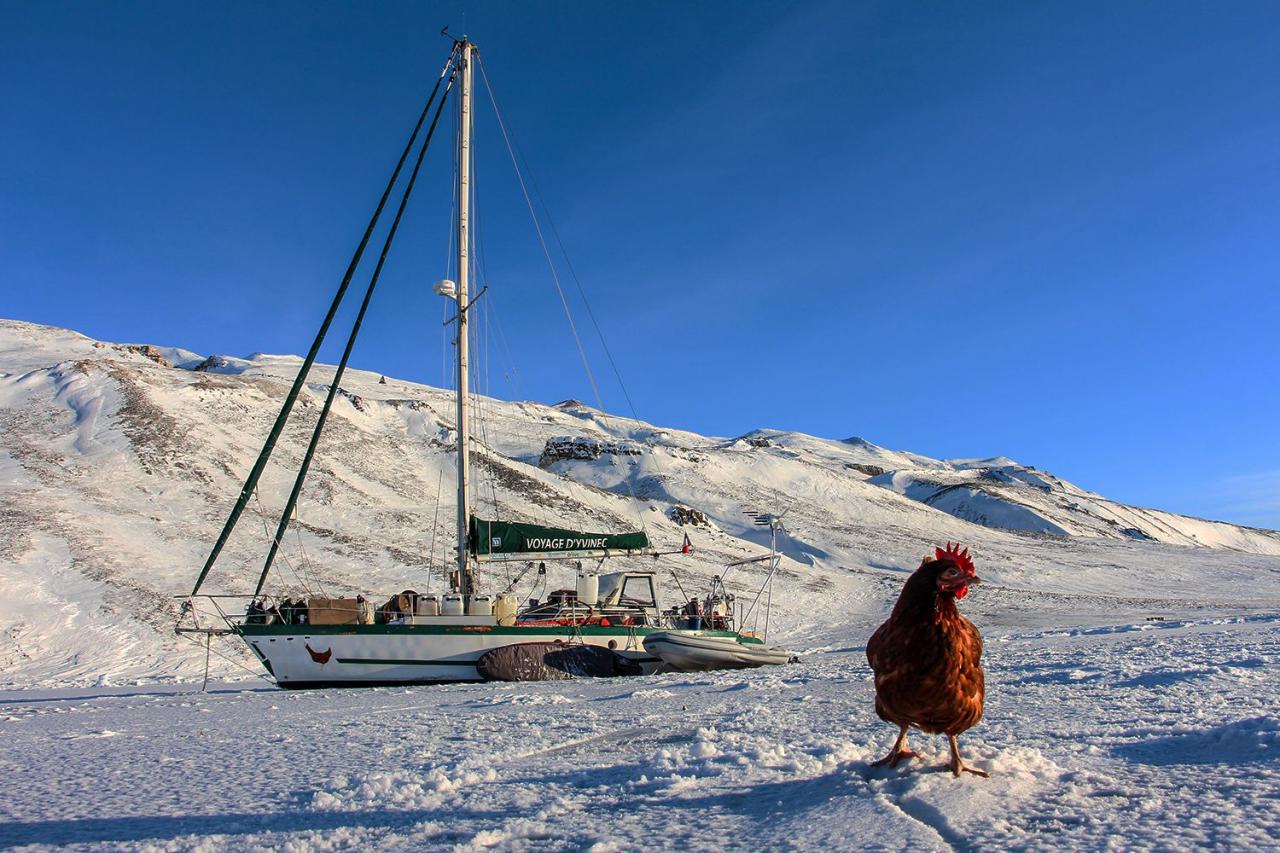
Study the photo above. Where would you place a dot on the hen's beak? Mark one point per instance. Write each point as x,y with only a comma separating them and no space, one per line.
961,582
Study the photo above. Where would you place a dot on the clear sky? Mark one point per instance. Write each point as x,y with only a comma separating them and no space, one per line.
1042,230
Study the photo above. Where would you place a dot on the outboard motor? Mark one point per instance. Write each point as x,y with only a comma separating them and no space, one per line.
255,614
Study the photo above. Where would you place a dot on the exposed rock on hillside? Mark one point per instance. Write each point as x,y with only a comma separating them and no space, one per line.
146,351
687,516
570,447
213,364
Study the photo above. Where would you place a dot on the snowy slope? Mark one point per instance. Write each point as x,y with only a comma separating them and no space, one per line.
119,463
1132,680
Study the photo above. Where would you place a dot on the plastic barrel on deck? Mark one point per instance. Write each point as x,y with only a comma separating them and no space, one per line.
588,589
504,608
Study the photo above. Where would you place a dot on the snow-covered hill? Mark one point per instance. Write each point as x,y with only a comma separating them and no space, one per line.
1131,654
118,465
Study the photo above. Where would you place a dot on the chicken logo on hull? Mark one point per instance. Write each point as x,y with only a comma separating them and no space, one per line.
319,657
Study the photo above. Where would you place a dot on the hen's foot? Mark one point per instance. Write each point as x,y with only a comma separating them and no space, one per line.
894,757
957,767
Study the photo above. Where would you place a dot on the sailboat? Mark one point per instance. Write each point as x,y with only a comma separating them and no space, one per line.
597,628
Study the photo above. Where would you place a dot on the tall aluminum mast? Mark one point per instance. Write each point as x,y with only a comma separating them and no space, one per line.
466,50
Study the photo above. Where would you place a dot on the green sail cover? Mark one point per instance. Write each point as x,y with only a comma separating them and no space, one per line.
497,540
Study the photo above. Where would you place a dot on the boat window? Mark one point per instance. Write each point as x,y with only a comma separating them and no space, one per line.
638,592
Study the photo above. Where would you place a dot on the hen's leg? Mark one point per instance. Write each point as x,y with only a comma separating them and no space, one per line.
957,766
898,752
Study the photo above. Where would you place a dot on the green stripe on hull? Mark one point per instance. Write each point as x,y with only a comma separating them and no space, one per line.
406,662
488,630
471,663
351,684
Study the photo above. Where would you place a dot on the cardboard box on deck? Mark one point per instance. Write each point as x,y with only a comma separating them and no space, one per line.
332,611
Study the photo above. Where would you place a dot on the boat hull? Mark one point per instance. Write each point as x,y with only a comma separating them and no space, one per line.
309,656
695,651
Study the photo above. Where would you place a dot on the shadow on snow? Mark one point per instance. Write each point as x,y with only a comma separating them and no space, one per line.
149,827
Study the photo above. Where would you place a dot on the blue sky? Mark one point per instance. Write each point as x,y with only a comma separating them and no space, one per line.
1040,230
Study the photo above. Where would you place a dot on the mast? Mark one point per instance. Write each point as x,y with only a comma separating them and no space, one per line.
466,49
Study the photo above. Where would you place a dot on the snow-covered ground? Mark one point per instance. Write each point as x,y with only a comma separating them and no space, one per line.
1150,735
1132,654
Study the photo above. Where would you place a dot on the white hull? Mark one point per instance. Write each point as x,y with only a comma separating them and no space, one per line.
693,651
312,656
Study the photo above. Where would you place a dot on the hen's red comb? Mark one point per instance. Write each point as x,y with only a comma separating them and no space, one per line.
957,556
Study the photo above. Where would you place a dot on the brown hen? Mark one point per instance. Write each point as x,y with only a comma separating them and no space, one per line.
927,658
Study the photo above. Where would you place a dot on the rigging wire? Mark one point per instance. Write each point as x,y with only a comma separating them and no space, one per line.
230,660
490,307
486,404
604,344
541,241
307,565
479,372
307,568
511,151
512,373
482,401
573,273
435,528
260,511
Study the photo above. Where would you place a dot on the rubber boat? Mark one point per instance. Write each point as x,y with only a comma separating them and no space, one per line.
694,651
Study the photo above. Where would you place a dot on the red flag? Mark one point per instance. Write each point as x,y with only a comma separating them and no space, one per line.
687,546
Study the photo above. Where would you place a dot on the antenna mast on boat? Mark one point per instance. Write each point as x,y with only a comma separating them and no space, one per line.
466,51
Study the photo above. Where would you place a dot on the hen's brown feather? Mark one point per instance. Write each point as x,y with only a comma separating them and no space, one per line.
927,661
